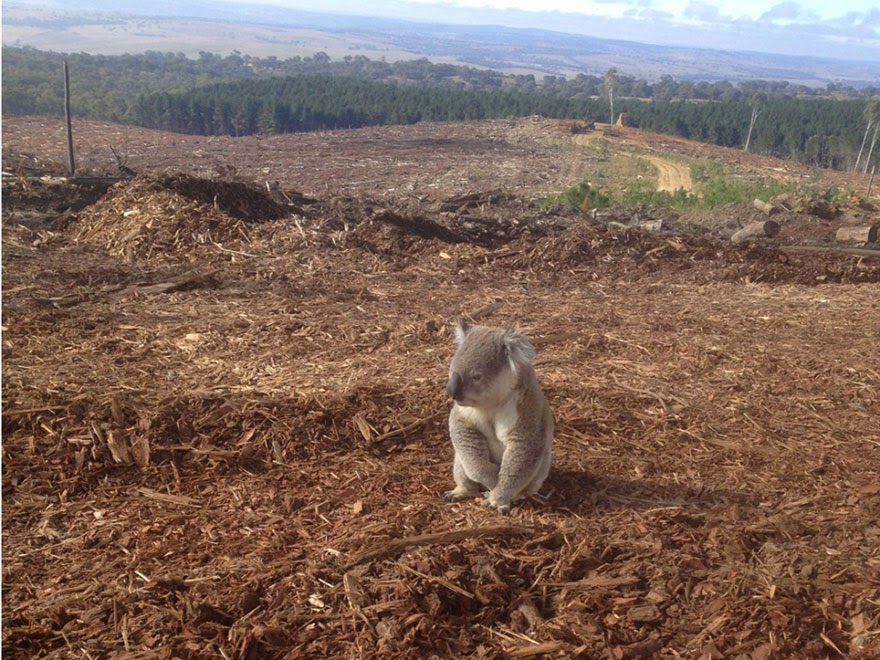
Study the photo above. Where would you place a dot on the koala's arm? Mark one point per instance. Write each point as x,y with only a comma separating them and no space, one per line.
522,452
472,452
526,450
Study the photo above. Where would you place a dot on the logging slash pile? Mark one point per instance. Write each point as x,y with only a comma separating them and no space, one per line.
224,434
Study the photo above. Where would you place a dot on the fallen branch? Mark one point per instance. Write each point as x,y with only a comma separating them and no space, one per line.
546,648
175,284
486,310
856,252
167,498
28,411
239,252
396,546
404,429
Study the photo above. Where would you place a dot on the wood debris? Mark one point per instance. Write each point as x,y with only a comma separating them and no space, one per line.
247,459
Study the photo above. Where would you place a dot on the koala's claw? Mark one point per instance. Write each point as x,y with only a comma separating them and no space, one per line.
503,509
540,497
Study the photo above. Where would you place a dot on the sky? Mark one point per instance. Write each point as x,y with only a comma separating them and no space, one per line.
688,11
836,29
848,29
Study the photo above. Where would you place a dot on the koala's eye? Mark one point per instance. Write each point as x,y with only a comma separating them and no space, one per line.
477,377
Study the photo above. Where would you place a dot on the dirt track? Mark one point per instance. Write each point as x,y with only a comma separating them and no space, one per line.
224,429
671,176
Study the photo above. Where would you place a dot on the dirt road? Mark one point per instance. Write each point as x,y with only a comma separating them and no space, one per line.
671,175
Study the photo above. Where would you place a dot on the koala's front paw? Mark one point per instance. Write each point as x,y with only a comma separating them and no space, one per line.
502,507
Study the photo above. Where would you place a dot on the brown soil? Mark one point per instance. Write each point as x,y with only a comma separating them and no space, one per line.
671,176
224,425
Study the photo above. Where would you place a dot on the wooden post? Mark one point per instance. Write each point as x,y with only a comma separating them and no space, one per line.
71,165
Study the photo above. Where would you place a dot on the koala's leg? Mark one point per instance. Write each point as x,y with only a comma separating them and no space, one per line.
520,466
473,468
541,474
464,486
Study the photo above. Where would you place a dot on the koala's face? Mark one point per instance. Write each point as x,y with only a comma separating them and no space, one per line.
481,373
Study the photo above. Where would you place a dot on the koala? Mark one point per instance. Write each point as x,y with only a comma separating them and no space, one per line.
500,424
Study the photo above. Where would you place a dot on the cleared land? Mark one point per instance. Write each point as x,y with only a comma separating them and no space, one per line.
223,409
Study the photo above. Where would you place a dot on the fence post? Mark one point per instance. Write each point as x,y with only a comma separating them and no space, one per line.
71,165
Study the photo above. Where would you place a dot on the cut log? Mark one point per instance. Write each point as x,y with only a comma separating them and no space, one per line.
763,228
652,225
765,207
863,234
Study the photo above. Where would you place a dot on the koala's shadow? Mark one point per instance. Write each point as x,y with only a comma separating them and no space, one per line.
583,493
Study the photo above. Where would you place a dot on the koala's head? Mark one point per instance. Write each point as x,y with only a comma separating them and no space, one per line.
487,364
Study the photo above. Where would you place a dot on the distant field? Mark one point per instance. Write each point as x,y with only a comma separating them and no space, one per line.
193,37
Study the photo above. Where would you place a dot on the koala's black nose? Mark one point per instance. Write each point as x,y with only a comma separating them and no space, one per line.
453,387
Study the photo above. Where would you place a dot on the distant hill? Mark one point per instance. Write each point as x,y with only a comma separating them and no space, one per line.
263,30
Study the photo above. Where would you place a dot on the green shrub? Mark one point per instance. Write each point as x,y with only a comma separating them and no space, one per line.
644,193
721,191
576,196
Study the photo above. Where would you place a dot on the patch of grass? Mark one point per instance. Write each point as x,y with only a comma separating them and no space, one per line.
714,187
722,191
644,193
580,196
717,187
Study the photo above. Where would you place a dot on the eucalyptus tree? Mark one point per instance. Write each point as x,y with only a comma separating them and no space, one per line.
757,104
610,84
872,121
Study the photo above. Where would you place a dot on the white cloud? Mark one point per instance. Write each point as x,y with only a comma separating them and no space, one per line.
704,12
841,29
786,10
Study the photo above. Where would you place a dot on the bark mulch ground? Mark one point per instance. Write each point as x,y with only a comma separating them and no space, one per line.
224,434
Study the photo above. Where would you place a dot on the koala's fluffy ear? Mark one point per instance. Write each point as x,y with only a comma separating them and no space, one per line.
519,349
462,328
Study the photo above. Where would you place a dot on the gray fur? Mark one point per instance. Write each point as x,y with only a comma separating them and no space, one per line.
500,423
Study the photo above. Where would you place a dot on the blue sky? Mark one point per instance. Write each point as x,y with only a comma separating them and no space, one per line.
686,11
842,29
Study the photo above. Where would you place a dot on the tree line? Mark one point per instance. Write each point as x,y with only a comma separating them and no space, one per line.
822,132
105,84
242,95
